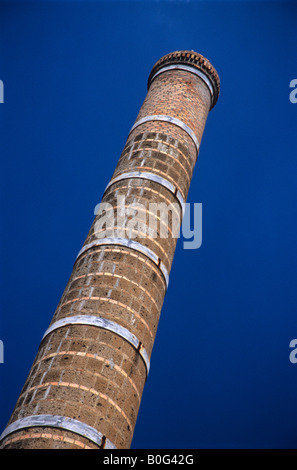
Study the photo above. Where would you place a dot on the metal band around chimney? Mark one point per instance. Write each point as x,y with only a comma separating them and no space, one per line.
171,120
129,244
152,177
105,324
61,422
187,68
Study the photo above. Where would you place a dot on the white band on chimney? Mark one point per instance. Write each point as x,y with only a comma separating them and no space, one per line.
194,70
106,324
172,120
129,244
152,177
62,422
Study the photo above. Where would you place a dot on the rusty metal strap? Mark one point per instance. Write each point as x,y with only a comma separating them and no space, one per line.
129,244
152,177
106,324
171,120
61,422
190,69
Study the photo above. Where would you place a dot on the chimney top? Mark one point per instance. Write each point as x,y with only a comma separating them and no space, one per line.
190,59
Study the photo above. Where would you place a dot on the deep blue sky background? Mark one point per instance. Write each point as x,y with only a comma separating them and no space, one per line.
75,77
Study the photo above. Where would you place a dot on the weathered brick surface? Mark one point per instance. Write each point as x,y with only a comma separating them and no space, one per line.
88,373
179,94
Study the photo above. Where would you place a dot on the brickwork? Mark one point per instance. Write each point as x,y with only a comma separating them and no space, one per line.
93,374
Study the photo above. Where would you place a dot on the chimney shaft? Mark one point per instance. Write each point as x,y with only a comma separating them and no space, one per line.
85,386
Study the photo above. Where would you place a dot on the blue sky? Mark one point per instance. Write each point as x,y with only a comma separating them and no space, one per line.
74,77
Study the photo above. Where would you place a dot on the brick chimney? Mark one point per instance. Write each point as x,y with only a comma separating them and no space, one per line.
85,386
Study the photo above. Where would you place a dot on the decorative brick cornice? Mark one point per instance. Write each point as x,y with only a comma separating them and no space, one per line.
191,59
